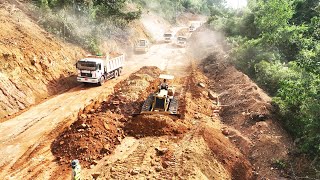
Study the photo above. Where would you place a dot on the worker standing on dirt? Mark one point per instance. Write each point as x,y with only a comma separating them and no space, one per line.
164,85
76,169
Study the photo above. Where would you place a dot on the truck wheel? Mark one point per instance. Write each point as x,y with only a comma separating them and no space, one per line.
120,71
101,80
116,74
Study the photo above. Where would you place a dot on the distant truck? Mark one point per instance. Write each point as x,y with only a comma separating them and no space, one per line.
98,69
192,28
168,37
194,25
141,45
181,41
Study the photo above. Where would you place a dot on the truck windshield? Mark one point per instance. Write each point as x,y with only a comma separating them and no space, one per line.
85,65
167,35
142,43
181,39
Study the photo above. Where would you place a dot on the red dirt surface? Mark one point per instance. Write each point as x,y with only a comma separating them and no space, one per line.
99,126
155,125
248,114
236,163
88,139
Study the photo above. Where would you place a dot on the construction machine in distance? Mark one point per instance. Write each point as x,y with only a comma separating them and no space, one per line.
141,46
162,101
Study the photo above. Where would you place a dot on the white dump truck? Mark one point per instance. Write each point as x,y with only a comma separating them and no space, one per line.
141,45
194,25
168,37
181,41
98,69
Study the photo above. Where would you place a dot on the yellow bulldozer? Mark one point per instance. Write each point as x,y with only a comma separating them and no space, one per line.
163,101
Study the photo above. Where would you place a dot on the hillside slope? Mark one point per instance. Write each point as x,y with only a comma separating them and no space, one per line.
33,64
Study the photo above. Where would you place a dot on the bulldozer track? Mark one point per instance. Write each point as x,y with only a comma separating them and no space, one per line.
135,159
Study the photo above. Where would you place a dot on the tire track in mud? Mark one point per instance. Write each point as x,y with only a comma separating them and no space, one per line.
134,160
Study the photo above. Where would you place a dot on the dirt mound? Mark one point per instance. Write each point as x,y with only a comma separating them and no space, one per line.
88,139
155,125
233,160
99,126
248,110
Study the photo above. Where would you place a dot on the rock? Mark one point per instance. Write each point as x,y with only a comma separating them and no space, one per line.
165,164
83,116
84,125
197,116
158,168
105,148
201,85
212,95
92,111
33,61
95,175
225,132
112,169
91,166
116,102
94,163
161,151
187,157
153,163
134,172
61,142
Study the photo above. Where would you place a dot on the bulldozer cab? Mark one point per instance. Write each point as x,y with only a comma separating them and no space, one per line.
169,89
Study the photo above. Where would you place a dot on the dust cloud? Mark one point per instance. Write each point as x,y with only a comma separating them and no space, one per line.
206,42
79,26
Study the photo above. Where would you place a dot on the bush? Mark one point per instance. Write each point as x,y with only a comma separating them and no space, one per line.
270,75
299,102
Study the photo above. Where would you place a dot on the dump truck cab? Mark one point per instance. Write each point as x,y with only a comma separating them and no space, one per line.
97,69
168,37
142,45
181,41
192,28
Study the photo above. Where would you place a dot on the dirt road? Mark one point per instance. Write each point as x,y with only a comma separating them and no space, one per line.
25,140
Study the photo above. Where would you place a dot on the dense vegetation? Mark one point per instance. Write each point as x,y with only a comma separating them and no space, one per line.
277,43
88,22
170,9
